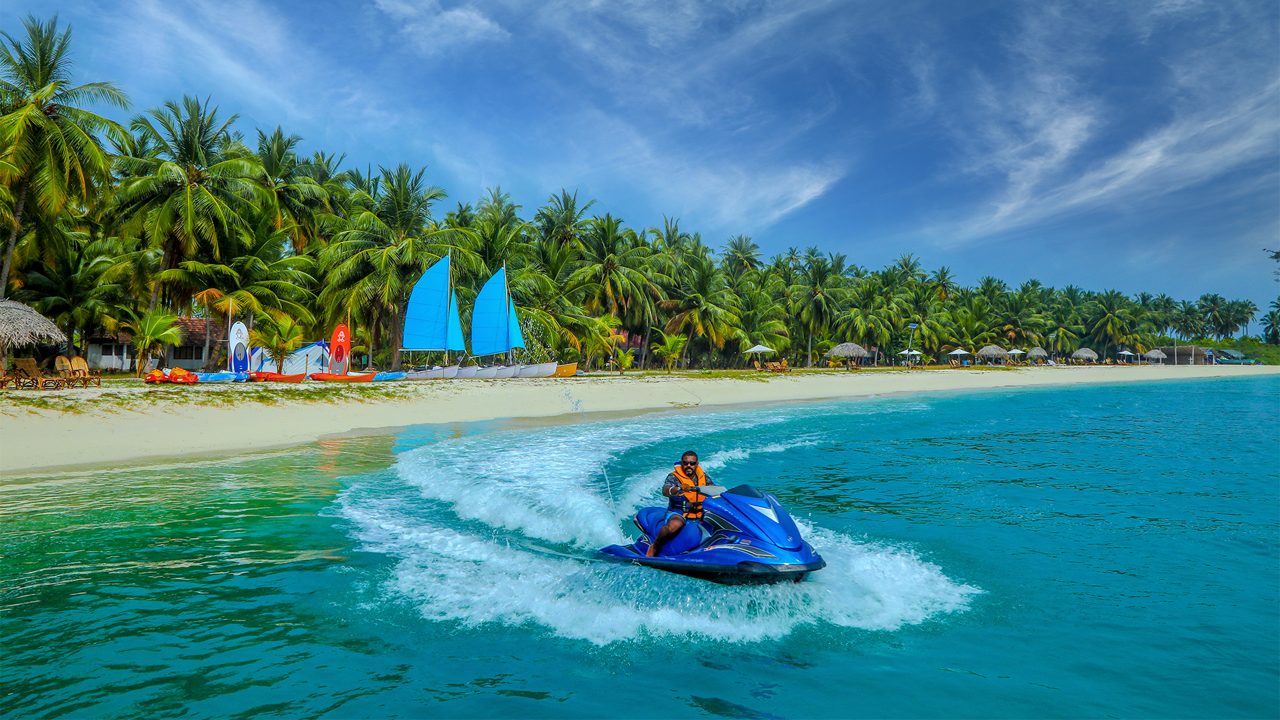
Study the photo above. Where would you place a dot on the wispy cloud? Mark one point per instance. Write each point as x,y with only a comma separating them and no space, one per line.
435,30
1056,147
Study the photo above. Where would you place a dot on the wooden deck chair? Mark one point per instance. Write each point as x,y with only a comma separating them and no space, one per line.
30,376
68,376
757,364
784,367
80,367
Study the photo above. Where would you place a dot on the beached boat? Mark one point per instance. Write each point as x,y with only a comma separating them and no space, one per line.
467,372
430,374
541,370
449,372
505,371
277,377
563,371
487,373
224,376
334,377
388,376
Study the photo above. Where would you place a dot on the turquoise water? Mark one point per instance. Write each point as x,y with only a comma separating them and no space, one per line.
1104,551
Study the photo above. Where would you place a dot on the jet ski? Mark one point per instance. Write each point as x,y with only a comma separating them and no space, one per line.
744,537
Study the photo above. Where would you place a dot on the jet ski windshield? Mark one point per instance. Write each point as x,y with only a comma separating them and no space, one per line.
764,515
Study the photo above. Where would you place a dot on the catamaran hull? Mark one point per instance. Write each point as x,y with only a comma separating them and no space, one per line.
331,377
505,371
541,370
448,373
486,373
467,372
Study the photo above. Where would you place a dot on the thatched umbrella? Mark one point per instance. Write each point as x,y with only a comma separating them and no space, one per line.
848,350
21,326
1037,352
993,352
1155,354
1085,353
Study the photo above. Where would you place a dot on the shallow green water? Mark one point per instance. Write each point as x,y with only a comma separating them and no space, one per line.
1087,551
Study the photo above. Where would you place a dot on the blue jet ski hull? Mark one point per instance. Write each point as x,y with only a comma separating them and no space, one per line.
744,538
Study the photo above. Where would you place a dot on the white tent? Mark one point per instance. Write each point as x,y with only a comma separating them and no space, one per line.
308,358
758,349
958,351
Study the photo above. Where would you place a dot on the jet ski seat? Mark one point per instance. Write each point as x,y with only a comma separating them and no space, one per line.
651,519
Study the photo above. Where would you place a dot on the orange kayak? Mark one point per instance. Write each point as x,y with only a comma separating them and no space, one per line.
331,377
276,377
566,370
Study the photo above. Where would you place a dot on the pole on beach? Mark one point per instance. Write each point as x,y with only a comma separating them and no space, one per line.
911,341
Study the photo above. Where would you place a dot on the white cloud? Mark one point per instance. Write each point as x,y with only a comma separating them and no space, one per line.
435,30
1056,149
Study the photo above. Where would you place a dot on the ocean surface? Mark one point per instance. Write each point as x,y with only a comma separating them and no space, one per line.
1093,551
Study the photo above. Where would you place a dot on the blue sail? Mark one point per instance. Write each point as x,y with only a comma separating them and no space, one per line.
490,316
427,317
453,337
515,338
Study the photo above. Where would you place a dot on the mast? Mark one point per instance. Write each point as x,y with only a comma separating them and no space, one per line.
231,313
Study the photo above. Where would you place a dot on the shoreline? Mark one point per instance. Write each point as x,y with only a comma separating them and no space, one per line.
99,428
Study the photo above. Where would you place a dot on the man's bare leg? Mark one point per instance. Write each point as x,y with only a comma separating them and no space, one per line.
668,531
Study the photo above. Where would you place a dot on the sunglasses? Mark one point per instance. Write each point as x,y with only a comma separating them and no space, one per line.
688,463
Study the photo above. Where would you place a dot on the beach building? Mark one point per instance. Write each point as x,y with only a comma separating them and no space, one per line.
1186,355
114,351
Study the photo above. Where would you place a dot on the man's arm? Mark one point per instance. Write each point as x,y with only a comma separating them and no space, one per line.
671,486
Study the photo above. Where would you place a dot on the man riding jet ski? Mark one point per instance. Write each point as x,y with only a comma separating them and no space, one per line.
730,536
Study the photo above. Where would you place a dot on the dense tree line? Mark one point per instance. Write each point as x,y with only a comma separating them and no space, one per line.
111,226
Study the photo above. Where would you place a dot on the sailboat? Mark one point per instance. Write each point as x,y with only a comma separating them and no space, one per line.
431,320
495,328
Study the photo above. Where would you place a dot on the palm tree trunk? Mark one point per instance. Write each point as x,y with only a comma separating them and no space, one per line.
644,350
13,239
397,335
808,354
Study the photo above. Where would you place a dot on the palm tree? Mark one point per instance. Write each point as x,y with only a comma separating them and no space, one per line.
372,266
152,331
51,144
1271,323
670,349
295,195
1111,320
701,303
195,192
70,286
741,254
562,220
818,298
612,272
280,336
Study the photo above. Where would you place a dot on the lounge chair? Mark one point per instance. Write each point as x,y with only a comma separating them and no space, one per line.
68,376
29,376
80,367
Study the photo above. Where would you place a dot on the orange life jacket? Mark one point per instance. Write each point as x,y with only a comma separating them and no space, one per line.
693,511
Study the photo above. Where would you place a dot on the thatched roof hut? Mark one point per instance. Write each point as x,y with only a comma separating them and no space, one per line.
991,352
1085,353
1155,354
848,350
1037,352
1185,354
21,326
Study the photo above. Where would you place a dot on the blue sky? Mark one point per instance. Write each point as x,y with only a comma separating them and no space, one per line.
1128,145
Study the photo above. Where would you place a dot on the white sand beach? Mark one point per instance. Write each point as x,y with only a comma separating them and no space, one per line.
124,422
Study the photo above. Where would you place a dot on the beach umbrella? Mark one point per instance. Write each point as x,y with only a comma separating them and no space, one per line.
1155,355
1085,353
959,351
1125,352
848,350
992,352
1017,352
758,349
1038,352
21,326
